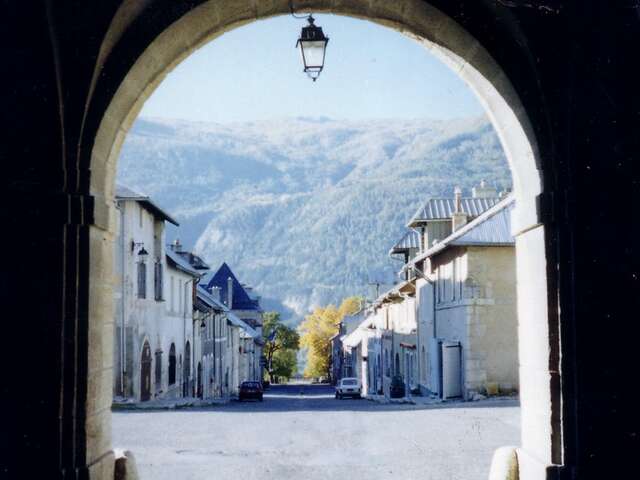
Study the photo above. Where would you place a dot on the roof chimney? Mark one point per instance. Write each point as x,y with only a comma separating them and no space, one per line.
176,246
484,191
457,193
215,293
458,217
230,293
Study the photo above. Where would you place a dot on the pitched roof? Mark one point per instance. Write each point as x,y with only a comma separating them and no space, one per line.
194,260
492,228
125,193
495,229
411,239
443,208
241,300
210,300
176,261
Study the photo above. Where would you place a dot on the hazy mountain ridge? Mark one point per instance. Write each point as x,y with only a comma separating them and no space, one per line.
305,209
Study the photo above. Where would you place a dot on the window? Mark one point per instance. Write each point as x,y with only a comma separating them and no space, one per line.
454,276
459,277
387,367
157,281
172,295
142,280
158,371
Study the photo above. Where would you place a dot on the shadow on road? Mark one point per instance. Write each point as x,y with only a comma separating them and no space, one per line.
320,397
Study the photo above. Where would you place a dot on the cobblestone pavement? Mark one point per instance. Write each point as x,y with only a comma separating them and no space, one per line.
302,432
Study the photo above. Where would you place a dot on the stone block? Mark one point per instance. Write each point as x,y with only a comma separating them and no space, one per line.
504,464
125,466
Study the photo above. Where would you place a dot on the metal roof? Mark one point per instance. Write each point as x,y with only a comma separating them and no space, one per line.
180,263
209,299
492,228
194,260
443,208
125,193
411,239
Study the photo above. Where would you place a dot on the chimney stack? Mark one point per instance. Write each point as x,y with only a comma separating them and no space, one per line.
230,293
176,246
457,193
458,217
484,191
215,293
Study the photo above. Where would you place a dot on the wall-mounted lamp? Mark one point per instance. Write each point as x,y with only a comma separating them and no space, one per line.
143,254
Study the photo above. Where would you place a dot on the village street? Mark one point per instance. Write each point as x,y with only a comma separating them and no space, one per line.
302,432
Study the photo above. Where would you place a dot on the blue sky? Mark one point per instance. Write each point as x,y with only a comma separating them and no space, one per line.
255,73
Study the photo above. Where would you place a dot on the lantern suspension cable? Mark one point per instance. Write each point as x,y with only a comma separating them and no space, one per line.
299,17
312,44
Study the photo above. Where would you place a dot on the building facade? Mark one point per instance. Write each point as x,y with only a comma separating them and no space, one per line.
466,294
241,301
153,304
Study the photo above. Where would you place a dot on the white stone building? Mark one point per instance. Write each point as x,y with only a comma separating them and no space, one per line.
244,305
153,305
450,326
466,300
384,345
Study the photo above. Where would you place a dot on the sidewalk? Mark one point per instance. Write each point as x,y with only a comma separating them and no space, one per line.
120,403
434,400
413,400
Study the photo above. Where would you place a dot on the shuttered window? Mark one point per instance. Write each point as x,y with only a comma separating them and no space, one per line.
142,280
158,282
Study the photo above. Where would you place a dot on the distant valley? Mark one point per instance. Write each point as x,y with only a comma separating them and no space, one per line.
305,209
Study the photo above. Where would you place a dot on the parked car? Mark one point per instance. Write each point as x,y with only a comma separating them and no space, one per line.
250,390
396,388
348,387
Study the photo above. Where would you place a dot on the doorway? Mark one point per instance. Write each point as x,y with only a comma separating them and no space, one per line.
145,373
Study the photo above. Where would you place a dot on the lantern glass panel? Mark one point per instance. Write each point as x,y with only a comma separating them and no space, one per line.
313,53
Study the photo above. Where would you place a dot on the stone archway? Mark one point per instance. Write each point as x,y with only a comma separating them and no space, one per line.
183,30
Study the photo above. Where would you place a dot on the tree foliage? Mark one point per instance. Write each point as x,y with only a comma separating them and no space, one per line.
316,331
285,364
281,344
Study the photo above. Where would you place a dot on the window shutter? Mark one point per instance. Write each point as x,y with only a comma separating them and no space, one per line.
142,280
158,284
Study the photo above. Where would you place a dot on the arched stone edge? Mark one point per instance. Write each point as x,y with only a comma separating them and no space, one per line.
446,39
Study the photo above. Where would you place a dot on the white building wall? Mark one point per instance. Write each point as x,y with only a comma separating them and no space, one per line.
148,319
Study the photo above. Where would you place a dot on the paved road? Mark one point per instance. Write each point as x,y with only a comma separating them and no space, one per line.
302,432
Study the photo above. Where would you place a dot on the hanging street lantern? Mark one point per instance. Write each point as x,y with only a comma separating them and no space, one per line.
313,45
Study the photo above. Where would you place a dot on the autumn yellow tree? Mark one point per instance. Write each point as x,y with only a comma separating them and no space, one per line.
316,331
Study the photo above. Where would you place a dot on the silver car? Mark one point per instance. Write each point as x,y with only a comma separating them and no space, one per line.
348,387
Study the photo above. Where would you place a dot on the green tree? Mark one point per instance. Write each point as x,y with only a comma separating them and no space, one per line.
316,331
278,339
285,364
